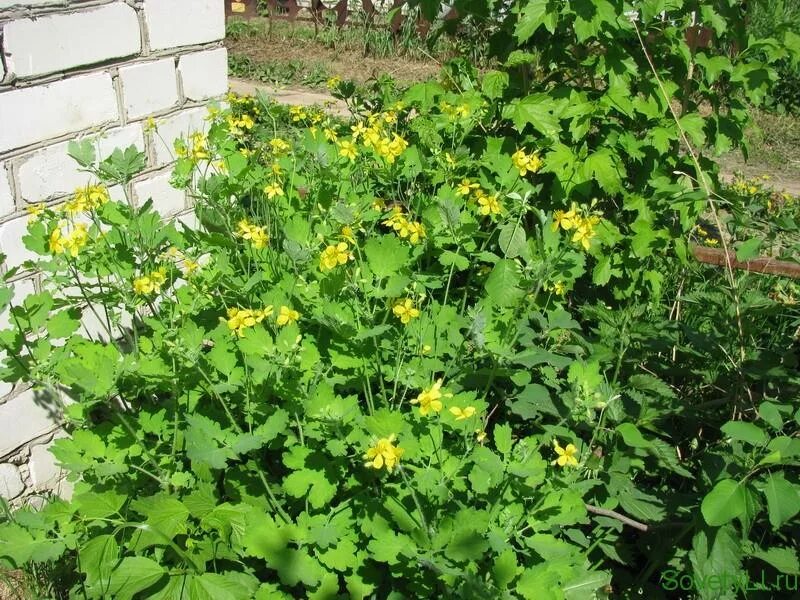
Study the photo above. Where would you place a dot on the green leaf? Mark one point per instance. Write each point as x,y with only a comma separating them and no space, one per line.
604,166
94,505
745,432
632,436
222,586
64,323
537,110
132,575
502,285
693,124
512,240
459,263
534,14
783,559
748,249
424,94
386,255
494,84
783,499
586,585
505,568
723,503
502,438
82,151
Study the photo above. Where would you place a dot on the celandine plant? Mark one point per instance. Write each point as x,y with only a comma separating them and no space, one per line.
425,352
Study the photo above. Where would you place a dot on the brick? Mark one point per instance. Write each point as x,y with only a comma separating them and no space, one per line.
149,87
204,74
26,417
176,126
11,484
6,194
166,199
21,289
45,473
60,42
34,3
173,24
11,245
55,109
51,172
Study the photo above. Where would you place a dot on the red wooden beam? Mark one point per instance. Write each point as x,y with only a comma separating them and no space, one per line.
763,264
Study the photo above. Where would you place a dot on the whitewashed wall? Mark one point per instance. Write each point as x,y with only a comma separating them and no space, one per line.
76,69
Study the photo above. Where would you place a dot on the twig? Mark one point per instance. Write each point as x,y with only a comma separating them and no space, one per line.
618,516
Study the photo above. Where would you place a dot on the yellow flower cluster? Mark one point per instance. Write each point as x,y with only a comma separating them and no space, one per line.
558,288
348,150
333,256
35,211
298,113
86,198
405,310
430,399
279,146
151,283
238,125
72,242
413,230
255,234
488,204
579,221
240,319
526,163
566,456
386,144
459,111
384,454
196,149
705,238
179,259
333,82
273,189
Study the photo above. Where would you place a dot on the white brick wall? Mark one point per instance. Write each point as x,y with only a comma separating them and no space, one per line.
149,87
6,195
176,126
55,109
204,74
166,199
26,417
94,69
49,44
183,22
51,173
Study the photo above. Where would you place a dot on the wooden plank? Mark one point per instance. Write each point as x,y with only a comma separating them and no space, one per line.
763,264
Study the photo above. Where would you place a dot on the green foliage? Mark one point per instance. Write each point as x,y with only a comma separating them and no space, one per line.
453,347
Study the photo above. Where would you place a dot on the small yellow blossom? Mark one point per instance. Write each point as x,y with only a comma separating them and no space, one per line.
255,234
333,82
334,255
347,149
430,399
240,319
384,454
559,288
462,413
480,436
150,125
405,310
330,134
273,189
298,113
583,235
279,146
151,283
287,315
35,211
489,205
566,456
526,163
348,235
565,220
466,187
358,130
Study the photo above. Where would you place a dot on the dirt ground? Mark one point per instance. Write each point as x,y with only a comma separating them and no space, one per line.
344,62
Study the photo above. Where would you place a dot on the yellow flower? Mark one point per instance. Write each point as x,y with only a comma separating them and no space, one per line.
462,413
461,110
405,310
333,256
151,283
330,134
480,436
566,456
34,211
449,159
358,130
287,315
430,399
150,124
416,232
276,169
559,288
347,149
489,205
397,219
347,234
56,241
584,234
198,146
190,266
279,146
255,234
384,454
566,220
526,163
333,82
273,189
77,239
465,187
298,113
240,319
